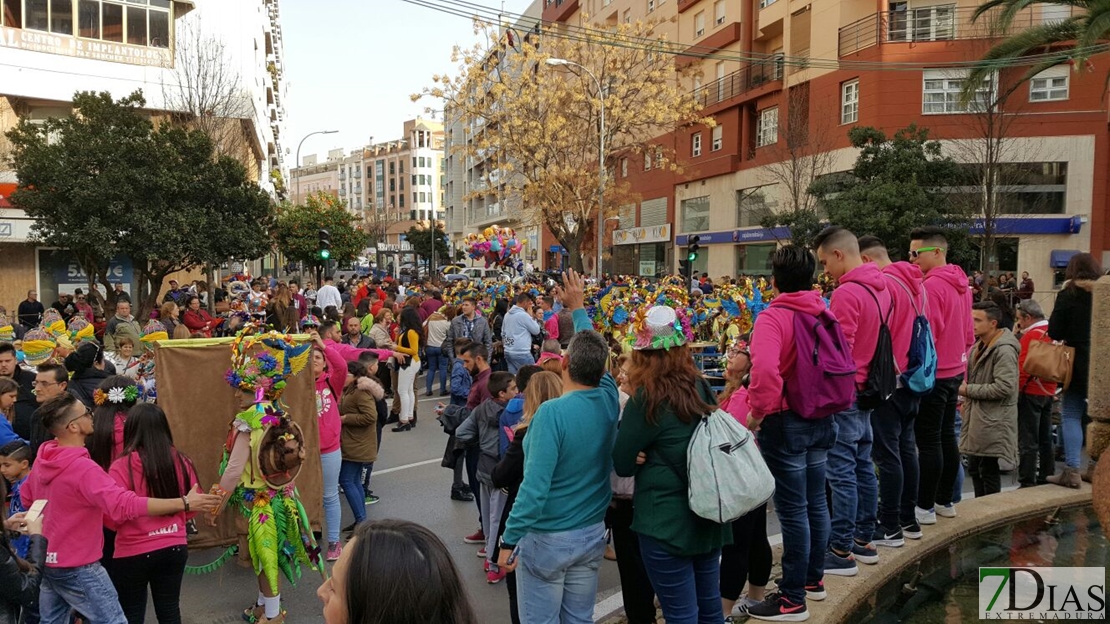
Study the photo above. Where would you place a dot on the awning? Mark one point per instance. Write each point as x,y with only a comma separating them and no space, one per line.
1059,258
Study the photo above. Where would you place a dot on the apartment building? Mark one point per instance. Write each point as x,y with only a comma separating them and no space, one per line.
825,66
50,50
314,175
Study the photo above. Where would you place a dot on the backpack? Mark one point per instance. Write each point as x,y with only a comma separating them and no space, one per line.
921,368
882,374
824,375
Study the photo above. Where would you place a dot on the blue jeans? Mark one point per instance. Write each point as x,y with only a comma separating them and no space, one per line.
330,464
851,474
557,576
86,589
689,588
437,361
895,454
1071,426
350,477
796,450
516,360
958,486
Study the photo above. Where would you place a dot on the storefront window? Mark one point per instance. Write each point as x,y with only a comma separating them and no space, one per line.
754,259
695,214
59,272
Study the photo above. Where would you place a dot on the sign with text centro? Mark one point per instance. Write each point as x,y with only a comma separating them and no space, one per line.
92,49
635,236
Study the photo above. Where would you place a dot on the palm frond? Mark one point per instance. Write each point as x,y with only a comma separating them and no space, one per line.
1020,45
1096,28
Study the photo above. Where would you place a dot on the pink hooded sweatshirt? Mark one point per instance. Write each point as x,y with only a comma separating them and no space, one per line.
148,533
329,388
950,318
772,349
80,496
904,286
859,315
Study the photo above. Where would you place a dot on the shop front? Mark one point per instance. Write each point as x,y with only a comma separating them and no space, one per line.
642,251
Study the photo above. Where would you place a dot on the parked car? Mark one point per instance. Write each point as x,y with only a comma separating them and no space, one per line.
476,273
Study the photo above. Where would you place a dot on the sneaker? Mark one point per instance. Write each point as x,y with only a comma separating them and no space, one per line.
494,575
462,495
947,511
350,528
371,499
334,551
740,609
889,540
840,566
925,516
482,552
865,553
816,591
477,538
912,531
779,608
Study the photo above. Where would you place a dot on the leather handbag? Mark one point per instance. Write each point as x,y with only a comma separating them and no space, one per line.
1050,361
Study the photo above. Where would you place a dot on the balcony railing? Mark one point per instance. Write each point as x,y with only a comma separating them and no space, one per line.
739,82
938,23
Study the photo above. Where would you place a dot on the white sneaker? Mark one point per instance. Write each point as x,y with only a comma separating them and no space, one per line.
925,516
947,511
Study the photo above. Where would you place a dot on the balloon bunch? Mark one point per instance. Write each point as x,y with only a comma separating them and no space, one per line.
496,245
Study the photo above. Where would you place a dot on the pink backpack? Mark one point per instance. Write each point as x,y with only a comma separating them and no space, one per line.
824,375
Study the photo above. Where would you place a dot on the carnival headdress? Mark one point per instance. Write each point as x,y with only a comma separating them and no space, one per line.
263,362
153,332
7,332
52,322
38,346
660,327
81,330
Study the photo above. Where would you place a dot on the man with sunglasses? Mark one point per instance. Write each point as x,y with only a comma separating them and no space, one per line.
949,315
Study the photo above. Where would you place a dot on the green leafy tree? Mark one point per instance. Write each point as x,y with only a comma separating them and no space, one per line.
421,238
298,230
898,183
106,182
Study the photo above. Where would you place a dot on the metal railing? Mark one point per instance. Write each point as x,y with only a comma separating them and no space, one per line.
938,23
739,82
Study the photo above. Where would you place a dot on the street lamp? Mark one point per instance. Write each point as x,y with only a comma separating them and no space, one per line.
600,152
299,156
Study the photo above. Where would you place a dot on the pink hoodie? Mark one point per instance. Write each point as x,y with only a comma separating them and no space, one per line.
80,496
148,533
950,318
858,314
772,349
329,388
901,274
737,405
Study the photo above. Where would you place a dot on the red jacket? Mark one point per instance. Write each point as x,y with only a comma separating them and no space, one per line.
1034,387
196,322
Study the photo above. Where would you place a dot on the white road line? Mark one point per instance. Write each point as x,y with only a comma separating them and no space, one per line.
407,466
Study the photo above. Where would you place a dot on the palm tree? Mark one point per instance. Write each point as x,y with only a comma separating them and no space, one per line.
1072,39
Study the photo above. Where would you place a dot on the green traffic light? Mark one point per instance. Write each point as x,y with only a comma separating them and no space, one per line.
325,254
693,255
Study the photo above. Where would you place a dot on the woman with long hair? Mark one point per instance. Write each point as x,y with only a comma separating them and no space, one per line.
407,352
1071,323
113,400
197,319
383,338
280,312
395,572
670,399
151,551
9,394
330,371
508,474
169,315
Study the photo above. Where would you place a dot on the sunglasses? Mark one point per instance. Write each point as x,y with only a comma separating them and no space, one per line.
916,253
88,412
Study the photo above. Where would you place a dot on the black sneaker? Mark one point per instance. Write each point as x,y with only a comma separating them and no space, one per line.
816,591
838,565
890,540
779,608
462,495
912,531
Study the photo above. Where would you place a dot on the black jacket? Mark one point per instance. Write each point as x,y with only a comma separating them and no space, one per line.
508,474
19,591
1071,322
25,403
83,384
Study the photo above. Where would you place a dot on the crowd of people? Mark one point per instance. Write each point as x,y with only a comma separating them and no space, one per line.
568,409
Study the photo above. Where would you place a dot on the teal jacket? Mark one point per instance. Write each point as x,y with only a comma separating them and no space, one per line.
567,460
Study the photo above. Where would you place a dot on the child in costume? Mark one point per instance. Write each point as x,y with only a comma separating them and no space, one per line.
262,456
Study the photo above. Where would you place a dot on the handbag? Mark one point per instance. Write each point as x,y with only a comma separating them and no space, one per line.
1050,361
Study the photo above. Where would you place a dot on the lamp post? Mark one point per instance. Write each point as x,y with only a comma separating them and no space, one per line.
299,156
600,154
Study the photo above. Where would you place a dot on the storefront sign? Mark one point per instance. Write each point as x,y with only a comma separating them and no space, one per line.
747,235
92,49
69,276
647,267
635,236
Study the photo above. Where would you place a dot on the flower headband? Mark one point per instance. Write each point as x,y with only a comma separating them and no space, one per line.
264,371
127,394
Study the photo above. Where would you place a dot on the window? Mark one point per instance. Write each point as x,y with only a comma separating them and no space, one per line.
647,157
11,13
658,156
717,138
767,127
651,5
719,12
754,259
401,167
628,16
695,214
423,197
414,196
624,167
763,4
61,17
1021,188
849,102
401,198
401,183
391,170
752,205
941,92
414,162
414,179
695,143
1049,85
699,24
392,185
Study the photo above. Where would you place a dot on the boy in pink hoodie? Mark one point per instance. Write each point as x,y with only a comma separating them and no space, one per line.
80,495
950,317
895,448
861,303
795,448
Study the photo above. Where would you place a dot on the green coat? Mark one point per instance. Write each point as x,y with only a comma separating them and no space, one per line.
661,508
990,414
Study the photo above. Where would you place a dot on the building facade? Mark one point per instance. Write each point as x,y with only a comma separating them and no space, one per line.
50,50
767,70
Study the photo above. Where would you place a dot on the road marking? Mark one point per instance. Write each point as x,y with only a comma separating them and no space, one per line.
407,466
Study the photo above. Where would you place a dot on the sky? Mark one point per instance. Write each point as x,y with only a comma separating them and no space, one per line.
353,66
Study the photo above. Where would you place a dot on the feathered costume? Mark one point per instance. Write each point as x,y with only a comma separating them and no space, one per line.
278,533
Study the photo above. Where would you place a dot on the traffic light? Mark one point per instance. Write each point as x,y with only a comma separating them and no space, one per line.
684,269
692,248
323,249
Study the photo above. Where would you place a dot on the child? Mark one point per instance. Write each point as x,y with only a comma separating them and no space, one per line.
514,411
481,428
370,360
15,465
9,393
460,377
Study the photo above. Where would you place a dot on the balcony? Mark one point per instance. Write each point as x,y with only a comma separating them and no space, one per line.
558,10
938,23
740,82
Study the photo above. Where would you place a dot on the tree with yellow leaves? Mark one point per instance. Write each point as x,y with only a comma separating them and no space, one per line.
539,125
